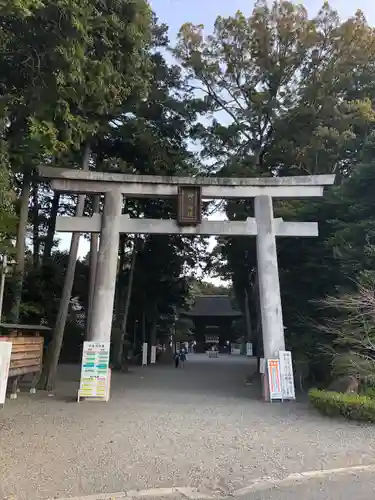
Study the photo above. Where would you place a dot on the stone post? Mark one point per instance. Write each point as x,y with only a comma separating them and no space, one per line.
268,276
105,281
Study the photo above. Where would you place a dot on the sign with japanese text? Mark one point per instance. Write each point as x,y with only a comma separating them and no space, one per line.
274,379
286,375
189,210
95,372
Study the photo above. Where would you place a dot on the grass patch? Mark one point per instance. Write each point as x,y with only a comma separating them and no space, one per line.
351,406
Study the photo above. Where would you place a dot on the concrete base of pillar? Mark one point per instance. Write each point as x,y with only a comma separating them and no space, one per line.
265,388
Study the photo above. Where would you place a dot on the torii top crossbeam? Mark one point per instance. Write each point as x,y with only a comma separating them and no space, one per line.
155,186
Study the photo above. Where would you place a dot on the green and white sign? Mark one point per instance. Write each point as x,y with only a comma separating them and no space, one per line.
95,372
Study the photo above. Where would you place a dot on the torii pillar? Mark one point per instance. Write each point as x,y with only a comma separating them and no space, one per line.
106,269
268,279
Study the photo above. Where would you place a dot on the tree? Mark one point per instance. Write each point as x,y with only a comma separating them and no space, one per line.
349,336
200,287
287,94
84,65
8,218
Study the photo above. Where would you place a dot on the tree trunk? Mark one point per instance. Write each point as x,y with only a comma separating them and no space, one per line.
35,223
153,330
120,347
153,322
120,286
143,327
94,241
14,316
48,242
53,353
247,316
135,326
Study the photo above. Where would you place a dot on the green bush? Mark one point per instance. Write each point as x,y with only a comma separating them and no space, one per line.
368,391
350,406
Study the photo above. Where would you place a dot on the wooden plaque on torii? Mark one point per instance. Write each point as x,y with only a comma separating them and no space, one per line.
189,207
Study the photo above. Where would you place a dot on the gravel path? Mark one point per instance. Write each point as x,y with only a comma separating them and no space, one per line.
199,426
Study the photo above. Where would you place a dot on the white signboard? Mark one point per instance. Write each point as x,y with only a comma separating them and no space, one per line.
144,353
249,349
153,354
286,374
95,372
262,365
274,379
212,339
5,353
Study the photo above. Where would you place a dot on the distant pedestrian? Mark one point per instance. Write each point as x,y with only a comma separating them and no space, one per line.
176,359
182,358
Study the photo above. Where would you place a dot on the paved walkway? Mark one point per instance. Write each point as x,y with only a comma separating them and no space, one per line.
198,427
348,486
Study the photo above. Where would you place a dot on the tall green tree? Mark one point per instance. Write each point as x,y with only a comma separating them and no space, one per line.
87,61
287,95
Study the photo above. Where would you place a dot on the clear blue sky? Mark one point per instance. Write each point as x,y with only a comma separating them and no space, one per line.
176,12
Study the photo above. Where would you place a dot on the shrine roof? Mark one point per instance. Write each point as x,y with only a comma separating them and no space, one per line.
212,305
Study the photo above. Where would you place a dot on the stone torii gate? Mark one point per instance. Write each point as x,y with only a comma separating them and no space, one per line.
111,223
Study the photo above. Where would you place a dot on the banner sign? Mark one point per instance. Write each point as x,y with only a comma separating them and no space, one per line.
95,372
262,366
274,379
144,353
249,349
153,354
5,353
286,375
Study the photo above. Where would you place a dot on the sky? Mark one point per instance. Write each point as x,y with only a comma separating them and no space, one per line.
177,12
174,13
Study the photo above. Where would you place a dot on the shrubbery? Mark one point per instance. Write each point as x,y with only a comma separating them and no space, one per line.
350,406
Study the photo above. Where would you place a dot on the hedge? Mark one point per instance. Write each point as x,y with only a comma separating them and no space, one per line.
350,406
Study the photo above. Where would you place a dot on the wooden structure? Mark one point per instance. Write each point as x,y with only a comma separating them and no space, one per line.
189,208
27,352
213,316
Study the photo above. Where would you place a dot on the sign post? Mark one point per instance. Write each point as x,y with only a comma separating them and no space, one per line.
274,379
249,349
95,372
286,375
5,353
153,354
144,354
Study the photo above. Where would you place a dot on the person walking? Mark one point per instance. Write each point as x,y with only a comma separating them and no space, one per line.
182,358
176,359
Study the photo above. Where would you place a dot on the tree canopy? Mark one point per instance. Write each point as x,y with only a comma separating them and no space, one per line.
276,92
